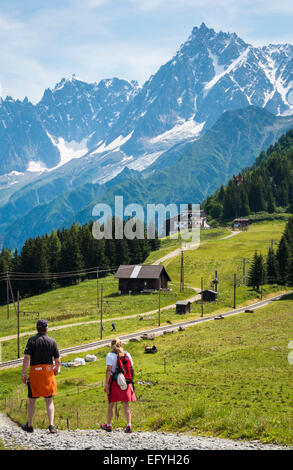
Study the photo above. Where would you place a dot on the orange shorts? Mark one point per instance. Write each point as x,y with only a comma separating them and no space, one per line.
42,381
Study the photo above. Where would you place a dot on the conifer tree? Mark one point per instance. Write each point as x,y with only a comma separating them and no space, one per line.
256,274
70,256
272,267
283,256
53,252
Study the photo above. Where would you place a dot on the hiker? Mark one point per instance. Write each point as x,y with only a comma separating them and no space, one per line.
113,327
39,353
113,390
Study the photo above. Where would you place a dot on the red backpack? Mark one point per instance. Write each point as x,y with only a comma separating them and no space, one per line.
124,367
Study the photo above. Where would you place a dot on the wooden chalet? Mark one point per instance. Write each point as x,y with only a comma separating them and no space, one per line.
187,220
139,278
241,223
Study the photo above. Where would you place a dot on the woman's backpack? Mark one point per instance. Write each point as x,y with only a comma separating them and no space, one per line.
124,372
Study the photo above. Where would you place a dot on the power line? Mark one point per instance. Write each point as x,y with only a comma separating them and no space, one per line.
25,276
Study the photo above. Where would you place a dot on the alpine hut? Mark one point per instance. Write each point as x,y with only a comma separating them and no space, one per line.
139,278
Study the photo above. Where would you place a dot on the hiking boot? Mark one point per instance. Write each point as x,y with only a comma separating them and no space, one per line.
128,429
27,428
107,428
52,429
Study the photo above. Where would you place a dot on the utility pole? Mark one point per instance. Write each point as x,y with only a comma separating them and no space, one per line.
18,354
7,294
182,273
234,305
215,282
12,296
101,311
202,297
262,279
98,299
160,302
245,260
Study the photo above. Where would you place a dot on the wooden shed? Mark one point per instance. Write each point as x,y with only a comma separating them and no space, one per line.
209,295
183,307
138,278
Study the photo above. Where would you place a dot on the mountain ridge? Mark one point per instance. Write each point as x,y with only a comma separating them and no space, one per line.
197,171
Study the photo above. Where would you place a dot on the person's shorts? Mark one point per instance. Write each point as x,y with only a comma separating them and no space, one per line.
29,392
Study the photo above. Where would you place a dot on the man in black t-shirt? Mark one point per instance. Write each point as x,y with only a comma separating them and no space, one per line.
39,354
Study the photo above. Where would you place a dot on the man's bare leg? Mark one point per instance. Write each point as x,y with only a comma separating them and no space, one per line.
50,410
31,406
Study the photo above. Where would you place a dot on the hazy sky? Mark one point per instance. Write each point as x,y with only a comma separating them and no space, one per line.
42,41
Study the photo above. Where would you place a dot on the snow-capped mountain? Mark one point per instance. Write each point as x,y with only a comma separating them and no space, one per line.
62,126
89,132
210,74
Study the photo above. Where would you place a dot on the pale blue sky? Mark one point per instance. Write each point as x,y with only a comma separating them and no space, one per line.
43,41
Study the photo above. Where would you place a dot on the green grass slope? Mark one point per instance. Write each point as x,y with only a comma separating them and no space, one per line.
227,378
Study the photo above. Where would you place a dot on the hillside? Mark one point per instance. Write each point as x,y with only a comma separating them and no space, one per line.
265,186
78,303
236,375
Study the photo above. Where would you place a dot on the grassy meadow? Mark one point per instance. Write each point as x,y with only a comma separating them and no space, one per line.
228,378
226,257
78,303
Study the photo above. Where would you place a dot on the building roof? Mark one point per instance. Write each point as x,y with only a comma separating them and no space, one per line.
210,290
242,220
140,272
190,213
183,302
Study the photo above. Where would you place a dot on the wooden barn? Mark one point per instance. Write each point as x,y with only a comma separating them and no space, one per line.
138,278
183,306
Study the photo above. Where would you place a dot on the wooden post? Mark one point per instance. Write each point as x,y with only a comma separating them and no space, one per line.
201,297
116,410
7,294
165,362
262,278
98,299
160,302
18,354
182,273
234,303
101,335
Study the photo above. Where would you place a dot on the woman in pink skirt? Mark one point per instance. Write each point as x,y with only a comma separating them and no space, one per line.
113,390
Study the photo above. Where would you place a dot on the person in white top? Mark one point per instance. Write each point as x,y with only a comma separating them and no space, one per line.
111,360
114,392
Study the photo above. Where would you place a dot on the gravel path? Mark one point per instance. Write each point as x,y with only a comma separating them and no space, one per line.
40,439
